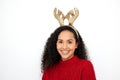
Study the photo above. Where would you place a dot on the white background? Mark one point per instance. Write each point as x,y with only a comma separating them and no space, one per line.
26,24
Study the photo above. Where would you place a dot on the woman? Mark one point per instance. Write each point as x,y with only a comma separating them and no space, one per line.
65,57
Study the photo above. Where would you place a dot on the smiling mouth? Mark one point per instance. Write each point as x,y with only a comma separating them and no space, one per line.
65,52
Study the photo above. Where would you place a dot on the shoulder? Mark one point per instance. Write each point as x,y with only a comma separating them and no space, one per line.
84,63
87,70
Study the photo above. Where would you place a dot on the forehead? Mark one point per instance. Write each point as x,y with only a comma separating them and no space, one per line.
66,35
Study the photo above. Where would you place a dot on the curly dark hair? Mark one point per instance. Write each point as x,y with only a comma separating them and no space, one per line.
51,56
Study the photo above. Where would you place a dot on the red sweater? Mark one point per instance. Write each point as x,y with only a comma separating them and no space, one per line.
72,69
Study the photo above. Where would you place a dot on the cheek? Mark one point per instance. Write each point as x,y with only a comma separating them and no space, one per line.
71,45
58,46
72,48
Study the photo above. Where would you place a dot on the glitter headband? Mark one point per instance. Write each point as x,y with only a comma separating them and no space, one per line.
71,17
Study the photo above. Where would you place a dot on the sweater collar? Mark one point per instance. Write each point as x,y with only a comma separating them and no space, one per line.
69,61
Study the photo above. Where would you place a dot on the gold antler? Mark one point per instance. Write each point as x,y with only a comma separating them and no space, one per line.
72,15
59,16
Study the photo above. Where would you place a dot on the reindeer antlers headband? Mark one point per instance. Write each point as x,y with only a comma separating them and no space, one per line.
71,16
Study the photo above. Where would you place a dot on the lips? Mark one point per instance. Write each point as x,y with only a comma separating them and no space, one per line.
65,52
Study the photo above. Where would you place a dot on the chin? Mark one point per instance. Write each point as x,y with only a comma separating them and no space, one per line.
66,57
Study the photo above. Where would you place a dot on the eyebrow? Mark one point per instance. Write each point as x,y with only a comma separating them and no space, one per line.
67,40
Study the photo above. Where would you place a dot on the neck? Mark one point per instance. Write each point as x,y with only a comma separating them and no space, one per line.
65,59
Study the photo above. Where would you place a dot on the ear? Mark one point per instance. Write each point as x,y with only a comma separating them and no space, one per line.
76,45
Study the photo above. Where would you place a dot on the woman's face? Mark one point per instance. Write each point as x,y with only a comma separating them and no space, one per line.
66,45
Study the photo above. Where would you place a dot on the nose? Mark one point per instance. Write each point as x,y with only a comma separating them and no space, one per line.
64,46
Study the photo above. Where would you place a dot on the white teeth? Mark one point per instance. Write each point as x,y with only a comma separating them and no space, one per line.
65,52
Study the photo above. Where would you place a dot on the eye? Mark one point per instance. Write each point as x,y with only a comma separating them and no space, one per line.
60,41
70,42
